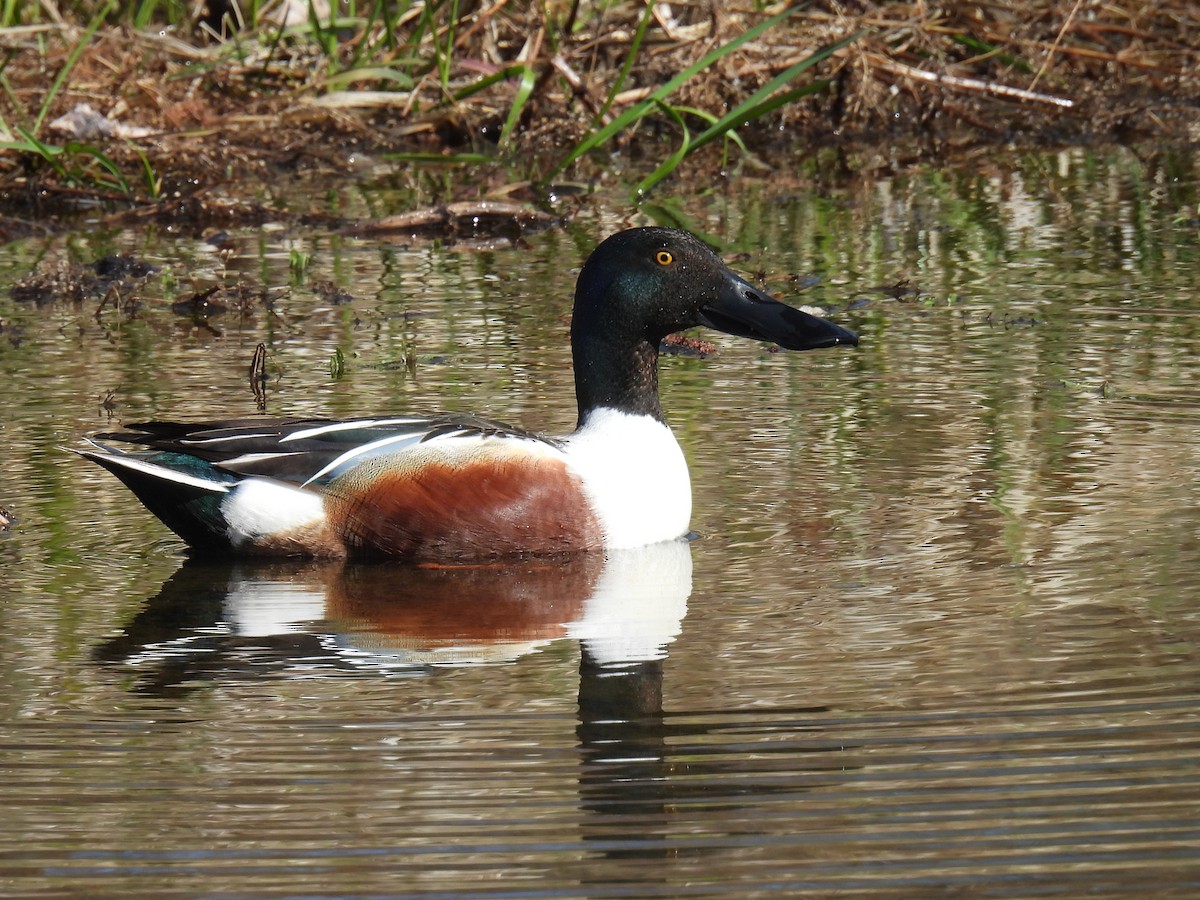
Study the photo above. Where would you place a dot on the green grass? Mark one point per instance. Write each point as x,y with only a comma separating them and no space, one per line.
427,55
75,162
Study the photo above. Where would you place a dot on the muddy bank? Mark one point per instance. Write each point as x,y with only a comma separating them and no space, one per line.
185,121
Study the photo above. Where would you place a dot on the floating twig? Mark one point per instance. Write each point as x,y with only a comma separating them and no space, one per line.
258,377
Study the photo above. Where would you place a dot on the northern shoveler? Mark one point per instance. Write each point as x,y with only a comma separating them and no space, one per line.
453,487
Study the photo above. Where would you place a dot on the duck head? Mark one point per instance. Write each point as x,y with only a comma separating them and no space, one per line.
639,286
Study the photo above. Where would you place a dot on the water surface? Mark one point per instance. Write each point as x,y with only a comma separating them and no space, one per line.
938,635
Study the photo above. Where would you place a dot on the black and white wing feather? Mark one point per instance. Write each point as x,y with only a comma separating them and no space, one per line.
305,451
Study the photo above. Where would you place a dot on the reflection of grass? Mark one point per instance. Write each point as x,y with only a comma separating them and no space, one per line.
298,261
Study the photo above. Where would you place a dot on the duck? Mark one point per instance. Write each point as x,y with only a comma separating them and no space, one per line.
454,489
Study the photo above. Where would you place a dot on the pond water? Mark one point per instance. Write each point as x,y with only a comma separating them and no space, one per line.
939,635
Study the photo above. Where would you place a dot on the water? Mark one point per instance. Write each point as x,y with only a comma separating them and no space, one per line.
938,636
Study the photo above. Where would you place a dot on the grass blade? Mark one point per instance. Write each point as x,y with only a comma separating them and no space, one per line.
444,54
627,64
441,159
153,181
712,120
118,182
639,110
769,105
488,80
671,162
524,90
72,59
32,145
339,80
760,102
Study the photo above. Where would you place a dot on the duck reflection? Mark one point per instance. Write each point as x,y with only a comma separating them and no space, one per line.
640,769
213,620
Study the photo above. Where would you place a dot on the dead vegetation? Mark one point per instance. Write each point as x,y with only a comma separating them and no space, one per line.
525,83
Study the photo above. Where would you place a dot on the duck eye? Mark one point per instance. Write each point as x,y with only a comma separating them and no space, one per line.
664,257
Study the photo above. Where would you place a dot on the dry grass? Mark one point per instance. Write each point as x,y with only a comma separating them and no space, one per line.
1057,71
930,78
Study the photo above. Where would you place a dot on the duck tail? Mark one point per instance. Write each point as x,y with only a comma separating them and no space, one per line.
185,492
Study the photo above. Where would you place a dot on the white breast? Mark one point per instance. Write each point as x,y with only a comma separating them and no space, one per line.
634,475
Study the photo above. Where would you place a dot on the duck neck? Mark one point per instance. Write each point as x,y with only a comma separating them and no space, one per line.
612,375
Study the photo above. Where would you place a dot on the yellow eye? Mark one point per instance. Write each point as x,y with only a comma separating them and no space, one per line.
664,257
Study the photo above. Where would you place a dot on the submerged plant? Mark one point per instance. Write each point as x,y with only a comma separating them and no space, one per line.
298,262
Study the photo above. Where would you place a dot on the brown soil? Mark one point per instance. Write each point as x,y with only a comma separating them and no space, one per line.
924,81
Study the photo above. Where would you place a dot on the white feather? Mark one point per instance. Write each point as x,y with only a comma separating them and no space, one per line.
391,444
163,473
334,427
634,475
257,508
249,458
224,439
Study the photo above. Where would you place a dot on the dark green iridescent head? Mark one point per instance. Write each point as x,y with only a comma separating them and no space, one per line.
643,284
